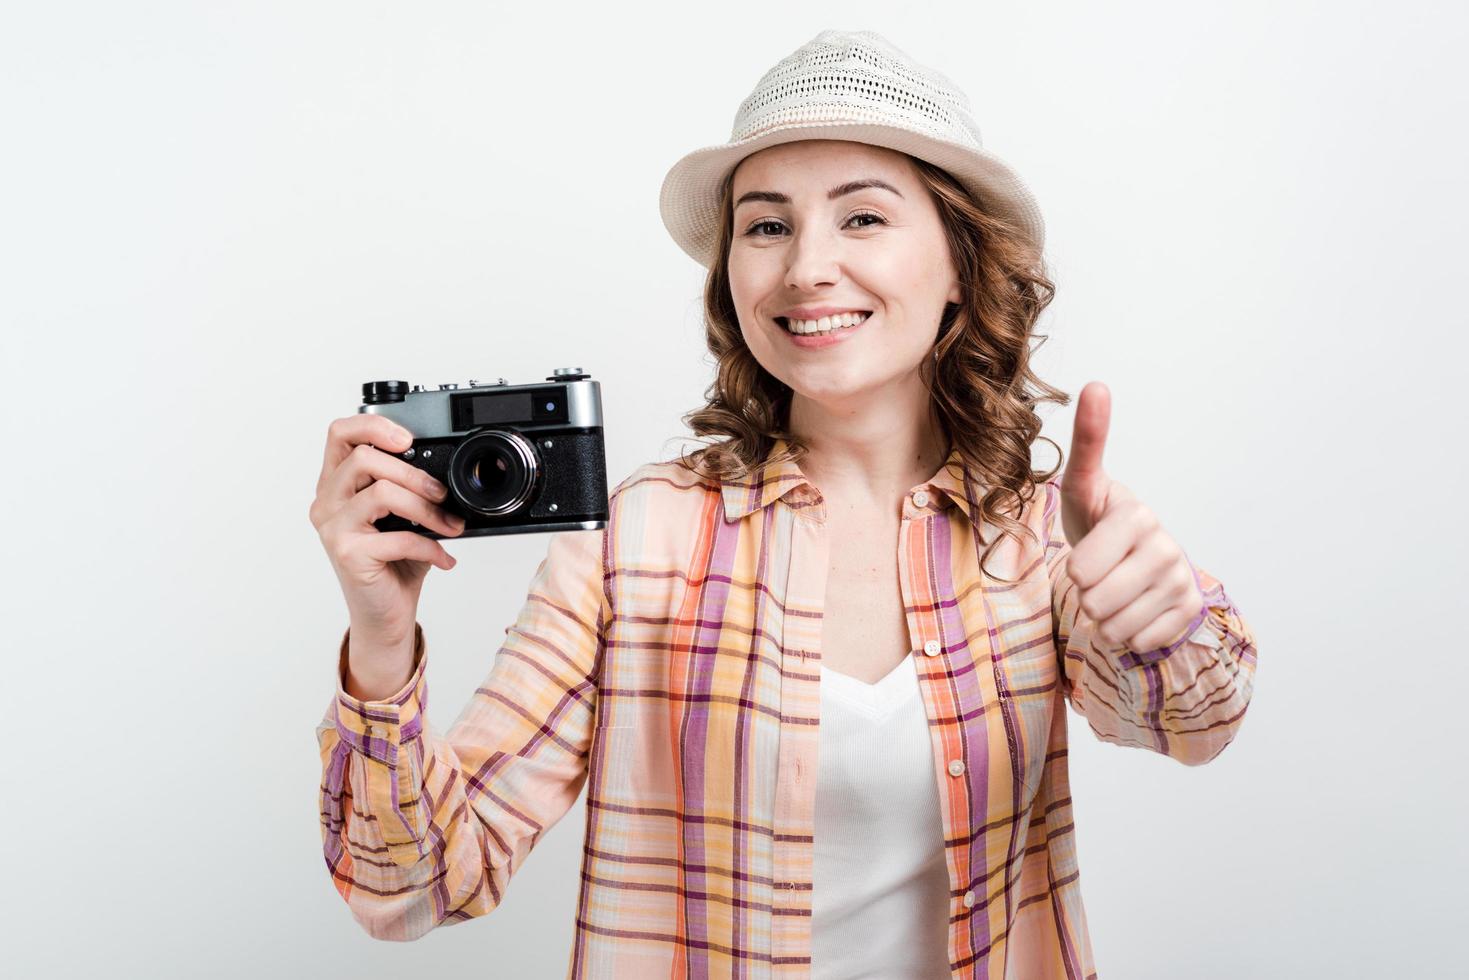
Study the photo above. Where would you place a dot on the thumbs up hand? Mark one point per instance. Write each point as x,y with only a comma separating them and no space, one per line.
1133,579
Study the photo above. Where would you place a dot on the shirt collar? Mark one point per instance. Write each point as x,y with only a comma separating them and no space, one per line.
772,480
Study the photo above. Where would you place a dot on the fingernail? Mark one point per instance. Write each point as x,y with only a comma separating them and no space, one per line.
435,489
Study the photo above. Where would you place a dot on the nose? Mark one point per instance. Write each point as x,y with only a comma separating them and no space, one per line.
813,262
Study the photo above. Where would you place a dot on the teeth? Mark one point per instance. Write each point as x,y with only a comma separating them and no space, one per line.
826,324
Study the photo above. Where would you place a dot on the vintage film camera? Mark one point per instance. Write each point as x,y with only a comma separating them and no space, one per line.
516,458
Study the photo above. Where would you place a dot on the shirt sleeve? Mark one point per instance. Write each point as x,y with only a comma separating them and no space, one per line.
1185,700
421,828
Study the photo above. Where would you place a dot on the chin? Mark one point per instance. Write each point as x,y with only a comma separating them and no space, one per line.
818,385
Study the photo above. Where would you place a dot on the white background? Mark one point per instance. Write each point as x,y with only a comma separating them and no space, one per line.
218,220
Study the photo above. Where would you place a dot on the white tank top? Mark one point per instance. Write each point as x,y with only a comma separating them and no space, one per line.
880,888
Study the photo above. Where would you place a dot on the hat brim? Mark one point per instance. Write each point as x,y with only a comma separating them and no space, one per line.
689,198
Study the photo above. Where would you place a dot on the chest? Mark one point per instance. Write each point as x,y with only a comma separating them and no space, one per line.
864,631
709,689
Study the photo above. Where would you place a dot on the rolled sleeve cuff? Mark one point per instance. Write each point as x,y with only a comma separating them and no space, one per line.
378,728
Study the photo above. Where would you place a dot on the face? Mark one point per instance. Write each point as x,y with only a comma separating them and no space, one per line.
795,246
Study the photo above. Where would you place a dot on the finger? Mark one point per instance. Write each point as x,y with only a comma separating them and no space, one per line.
1146,623
1147,565
345,434
384,497
408,545
1088,438
365,464
1122,527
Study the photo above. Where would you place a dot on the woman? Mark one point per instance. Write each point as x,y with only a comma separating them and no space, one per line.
814,675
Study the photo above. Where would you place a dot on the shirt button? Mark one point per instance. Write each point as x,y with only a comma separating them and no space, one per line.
376,731
920,498
969,899
956,767
933,648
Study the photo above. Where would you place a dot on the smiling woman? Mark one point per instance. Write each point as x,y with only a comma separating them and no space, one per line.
953,292
874,281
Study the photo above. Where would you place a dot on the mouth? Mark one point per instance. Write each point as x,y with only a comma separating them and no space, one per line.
836,327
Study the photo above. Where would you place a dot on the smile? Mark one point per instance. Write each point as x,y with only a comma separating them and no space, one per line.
825,326
838,330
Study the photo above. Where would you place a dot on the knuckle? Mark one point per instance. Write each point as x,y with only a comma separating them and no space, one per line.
408,474
385,436
1081,577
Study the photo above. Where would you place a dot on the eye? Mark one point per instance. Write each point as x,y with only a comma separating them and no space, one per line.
772,223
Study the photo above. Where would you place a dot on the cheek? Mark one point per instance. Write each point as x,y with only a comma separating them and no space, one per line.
911,280
747,276
893,277
917,272
753,338
757,339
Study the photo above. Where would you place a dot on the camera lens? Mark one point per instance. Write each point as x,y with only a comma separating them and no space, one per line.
478,483
494,472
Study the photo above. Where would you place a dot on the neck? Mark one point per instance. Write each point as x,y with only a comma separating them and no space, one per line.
869,456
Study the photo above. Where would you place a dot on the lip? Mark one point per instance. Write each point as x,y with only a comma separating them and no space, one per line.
816,312
816,343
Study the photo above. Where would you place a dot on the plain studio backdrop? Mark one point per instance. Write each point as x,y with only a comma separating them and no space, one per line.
218,220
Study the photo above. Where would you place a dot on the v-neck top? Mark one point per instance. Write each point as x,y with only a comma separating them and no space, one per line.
880,890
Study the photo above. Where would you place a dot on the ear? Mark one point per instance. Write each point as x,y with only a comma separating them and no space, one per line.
955,293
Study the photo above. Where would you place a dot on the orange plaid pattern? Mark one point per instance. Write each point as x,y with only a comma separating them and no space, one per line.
669,664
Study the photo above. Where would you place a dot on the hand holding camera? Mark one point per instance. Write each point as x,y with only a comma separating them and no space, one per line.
414,466
381,574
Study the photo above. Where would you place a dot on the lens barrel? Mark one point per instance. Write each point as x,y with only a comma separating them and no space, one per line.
494,472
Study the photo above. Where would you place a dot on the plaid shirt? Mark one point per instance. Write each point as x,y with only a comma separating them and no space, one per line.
669,662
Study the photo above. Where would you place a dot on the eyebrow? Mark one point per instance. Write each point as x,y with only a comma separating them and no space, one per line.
851,186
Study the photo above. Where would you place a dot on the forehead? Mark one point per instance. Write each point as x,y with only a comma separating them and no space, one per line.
820,163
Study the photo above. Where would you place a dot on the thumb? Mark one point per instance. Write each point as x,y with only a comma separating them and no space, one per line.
1084,472
1084,484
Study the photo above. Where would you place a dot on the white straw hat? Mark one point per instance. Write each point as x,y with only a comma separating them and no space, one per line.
846,85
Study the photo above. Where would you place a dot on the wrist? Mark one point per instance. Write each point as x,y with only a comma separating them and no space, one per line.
372,670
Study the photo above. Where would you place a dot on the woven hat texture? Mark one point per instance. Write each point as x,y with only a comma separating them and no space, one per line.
846,85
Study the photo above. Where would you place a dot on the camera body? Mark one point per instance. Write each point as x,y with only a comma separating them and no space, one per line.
516,458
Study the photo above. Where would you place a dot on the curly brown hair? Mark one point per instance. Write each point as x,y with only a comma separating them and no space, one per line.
984,392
